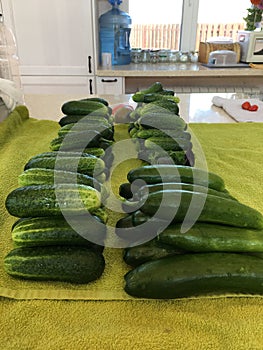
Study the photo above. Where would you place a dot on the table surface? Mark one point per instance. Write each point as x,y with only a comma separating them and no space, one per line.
194,107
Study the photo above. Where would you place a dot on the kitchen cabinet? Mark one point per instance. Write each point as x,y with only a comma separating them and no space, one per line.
110,85
55,42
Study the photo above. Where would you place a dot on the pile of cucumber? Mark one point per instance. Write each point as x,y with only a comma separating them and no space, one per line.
64,182
219,252
160,133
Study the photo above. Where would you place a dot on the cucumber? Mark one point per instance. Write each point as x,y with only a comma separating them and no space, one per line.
214,209
83,107
92,151
104,130
154,88
42,176
144,190
153,174
149,251
89,165
69,119
146,133
168,104
191,275
204,237
78,141
96,99
48,200
58,263
42,231
161,121
167,144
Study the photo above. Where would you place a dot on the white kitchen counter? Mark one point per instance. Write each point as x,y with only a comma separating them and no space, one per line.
174,70
194,108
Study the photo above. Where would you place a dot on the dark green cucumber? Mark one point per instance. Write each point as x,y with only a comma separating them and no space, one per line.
89,165
168,104
69,119
167,144
208,237
43,231
149,251
92,151
96,99
104,130
58,263
153,174
150,188
165,94
76,140
48,200
83,107
146,133
214,209
42,176
162,121
154,88
191,275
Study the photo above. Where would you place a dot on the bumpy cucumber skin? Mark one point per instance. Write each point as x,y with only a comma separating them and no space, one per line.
58,263
149,251
146,133
151,174
69,119
42,231
204,237
214,209
191,275
180,186
83,107
42,176
167,144
91,165
165,121
41,200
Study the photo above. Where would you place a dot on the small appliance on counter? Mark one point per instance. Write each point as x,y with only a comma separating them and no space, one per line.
114,34
251,44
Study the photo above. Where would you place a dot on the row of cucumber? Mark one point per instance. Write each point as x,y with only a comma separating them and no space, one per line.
158,130
66,182
202,240
221,253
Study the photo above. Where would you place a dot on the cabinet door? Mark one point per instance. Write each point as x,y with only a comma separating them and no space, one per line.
54,37
110,85
83,85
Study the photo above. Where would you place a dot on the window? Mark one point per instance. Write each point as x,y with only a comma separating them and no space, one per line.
182,24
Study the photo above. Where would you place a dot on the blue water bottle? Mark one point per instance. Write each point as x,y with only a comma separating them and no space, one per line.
114,34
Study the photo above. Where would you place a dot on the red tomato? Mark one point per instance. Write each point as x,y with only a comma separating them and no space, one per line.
253,108
246,105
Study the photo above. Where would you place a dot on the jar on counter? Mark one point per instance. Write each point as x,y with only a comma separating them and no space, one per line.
163,56
174,56
193,56
145,56
184,57
136,55
154,56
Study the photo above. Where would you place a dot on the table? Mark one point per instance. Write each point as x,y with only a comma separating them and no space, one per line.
233,150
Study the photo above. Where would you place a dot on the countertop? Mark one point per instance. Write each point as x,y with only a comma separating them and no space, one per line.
194,107
174,70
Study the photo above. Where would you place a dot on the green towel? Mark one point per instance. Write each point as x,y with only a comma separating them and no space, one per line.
235,152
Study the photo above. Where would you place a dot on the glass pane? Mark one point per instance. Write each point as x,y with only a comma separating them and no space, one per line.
224,20
155,25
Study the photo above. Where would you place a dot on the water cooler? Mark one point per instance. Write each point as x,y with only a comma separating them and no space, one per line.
114,34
